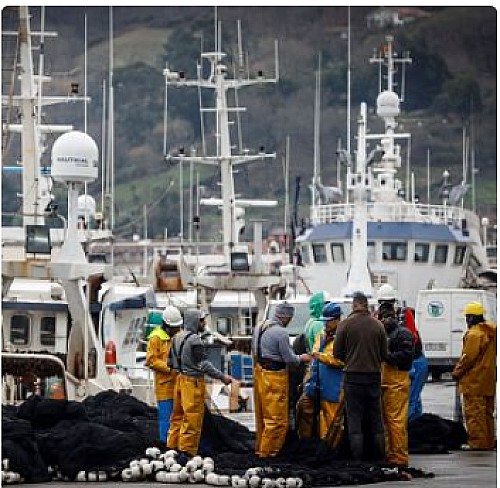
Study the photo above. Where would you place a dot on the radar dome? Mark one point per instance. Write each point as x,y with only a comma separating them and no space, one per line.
387,104
86,206
74,158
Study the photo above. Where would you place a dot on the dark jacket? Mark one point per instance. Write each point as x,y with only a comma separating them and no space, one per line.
400,346
361,343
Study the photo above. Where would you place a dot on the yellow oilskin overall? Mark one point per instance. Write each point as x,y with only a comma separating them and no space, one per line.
305,405
187,416
395,401
156,358
271,410
476,373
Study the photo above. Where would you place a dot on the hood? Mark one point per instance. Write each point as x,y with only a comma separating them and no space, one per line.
191,320
316,303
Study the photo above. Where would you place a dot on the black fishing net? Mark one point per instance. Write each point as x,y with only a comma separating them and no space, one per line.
108,430
431,434
20,447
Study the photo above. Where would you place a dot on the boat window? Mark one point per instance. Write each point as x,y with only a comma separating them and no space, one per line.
48,331
304,252
394,251
20,330
491,251
338,253
371,251
319,253
421,252
223,325
244,323
441,254
459,255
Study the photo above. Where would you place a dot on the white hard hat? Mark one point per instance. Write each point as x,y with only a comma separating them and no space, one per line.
171,316
386,292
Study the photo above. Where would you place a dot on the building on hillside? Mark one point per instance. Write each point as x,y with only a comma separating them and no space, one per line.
394,17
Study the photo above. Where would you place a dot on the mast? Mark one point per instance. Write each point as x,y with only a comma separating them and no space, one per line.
223,158
29,132
359,275
35,186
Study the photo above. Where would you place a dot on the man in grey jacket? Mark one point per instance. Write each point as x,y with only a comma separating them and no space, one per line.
272,356
188,356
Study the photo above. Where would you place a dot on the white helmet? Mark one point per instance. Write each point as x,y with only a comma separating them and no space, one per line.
385,293
171,316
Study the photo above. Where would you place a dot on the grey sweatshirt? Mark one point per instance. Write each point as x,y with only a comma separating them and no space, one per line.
193,360
274,343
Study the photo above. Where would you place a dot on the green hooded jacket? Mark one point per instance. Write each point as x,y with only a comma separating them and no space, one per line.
314,326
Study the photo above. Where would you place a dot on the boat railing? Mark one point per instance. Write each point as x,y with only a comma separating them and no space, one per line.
389,212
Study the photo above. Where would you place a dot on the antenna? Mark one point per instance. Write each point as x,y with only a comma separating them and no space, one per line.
103,145
86,216
348,81
41,63
111,135
428,176
317,109
286,175
240,70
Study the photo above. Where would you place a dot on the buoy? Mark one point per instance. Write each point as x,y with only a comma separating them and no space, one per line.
198,476
267,483
254,481
110,357
212,479
153,452
183,475
157,465
224,480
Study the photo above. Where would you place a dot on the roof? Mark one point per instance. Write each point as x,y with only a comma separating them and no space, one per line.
389,230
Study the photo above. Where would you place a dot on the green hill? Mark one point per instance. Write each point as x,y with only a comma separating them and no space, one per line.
451,84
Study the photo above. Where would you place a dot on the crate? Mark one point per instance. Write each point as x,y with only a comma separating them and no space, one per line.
241,367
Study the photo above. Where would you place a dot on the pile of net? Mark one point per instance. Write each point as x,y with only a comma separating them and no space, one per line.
110,433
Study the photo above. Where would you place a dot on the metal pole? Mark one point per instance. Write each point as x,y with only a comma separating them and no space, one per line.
348,81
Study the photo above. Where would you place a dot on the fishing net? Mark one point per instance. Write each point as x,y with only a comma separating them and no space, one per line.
109,430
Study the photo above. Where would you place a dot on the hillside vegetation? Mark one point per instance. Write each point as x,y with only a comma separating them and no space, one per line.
451,84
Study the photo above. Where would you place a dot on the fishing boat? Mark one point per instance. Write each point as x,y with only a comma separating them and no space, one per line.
237,272
68,330
378,231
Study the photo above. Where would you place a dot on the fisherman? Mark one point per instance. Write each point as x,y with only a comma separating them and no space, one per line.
158,348
188,356
395,380
322,392
419,368
475,372
314,325
361,343
205,333
272,356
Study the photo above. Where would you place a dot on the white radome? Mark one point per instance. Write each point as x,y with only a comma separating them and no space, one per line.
75,158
